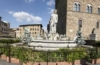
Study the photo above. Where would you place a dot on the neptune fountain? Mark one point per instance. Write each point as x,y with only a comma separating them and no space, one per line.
52,41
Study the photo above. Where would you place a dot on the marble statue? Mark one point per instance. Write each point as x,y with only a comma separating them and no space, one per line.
38,37
53,22
63,37
56,37
50,36
46,36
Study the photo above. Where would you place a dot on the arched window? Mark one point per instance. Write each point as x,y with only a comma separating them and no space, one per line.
98,10
80,23
75,7
89,8
97,25
78,7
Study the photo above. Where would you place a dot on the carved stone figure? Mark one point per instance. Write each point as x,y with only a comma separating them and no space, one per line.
26,37
53,22
93,35
46,35
63,37
79,39
39,37
56,37
93,30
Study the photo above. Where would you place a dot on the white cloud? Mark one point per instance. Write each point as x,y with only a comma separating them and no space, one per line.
50,10
50,2
29,1
5,21
24,16
10,12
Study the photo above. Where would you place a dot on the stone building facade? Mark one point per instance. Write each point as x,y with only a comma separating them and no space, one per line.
4,28
12,32
72,13
34,29
17,33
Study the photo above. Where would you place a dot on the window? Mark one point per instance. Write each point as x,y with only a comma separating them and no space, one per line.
97,25
89,8
99,10
2,28
80,23
76,7
30,28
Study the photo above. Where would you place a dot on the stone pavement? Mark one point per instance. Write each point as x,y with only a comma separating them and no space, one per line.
3,62
87,63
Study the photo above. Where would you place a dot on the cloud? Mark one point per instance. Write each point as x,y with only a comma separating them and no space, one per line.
50,2
5,21
29,1
50,10
10,12
24,16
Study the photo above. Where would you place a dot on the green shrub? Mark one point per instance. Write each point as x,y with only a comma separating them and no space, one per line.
97,43
74,54
10,41
70,55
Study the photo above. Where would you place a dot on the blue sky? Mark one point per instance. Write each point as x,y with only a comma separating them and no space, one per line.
19,12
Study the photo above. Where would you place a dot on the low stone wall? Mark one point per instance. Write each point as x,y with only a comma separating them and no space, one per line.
3,57
12,60
49,63
77,62
96,61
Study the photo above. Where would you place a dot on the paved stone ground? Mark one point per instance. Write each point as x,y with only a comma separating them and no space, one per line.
2,62
92,64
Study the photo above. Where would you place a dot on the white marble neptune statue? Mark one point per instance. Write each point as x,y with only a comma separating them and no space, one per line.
53,22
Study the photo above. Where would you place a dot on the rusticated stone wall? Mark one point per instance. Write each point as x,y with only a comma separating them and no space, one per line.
89,22
68,18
